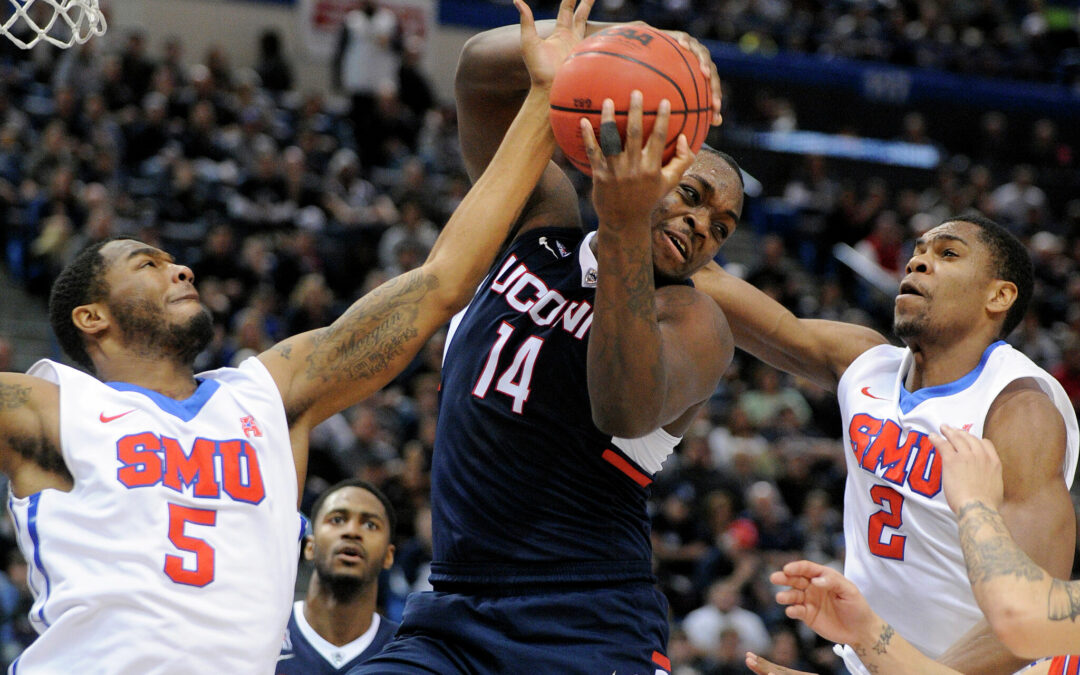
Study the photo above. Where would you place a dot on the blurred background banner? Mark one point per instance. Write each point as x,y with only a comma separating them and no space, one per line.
320,21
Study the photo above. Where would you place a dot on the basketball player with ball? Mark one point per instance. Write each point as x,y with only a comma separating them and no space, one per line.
575,369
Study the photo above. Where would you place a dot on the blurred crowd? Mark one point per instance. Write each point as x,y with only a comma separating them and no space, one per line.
288,204
1035,40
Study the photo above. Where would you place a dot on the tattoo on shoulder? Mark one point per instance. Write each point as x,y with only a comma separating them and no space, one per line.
989,549
1064,600
13,396
283,350
372,333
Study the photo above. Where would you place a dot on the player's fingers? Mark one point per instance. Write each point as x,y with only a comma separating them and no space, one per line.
654,146
804,568
678,164
528,24
581,17
759,665
565,16
790,597
597,160
944,448
634,123
610,142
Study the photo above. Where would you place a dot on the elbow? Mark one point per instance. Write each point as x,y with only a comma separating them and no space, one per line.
621,421
1015,624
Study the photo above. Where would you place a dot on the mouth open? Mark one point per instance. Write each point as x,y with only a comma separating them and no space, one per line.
908,288
678,244
352,554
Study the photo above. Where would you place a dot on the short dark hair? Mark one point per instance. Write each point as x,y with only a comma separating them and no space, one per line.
1011,261
391,516
81,282
705,147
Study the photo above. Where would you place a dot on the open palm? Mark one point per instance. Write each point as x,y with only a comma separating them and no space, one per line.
544,56
824,600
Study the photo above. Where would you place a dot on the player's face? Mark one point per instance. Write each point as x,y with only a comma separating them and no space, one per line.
351,537
947,284
694,219
153,300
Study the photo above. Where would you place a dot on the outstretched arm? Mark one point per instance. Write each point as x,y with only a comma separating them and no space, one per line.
818,350
489,86
1030,612
647,363
833,607
326,370
1029,436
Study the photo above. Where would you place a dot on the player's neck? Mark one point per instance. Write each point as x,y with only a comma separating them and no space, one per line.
941,363
165,376
336,621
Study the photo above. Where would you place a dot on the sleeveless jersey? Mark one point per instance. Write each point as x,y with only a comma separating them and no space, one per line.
176,549
525,489
305,652
902,540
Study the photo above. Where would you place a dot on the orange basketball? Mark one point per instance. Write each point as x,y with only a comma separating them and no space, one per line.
613,63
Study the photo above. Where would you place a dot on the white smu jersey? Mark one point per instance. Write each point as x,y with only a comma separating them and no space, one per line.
902,541
175,552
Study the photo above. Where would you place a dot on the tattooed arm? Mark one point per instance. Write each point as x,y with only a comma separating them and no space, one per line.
647,362
1026,434
833,607
30,434
327,370
1030,612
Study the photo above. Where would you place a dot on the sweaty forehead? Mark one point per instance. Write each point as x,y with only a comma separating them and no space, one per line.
721,176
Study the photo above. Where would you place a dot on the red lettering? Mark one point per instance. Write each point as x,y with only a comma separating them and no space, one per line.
861,431
141,464
925,476
198,468
237,459
887,451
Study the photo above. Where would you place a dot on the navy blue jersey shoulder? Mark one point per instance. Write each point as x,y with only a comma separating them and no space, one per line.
521,490
299,657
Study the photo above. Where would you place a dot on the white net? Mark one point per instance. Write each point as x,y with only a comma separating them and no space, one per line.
59,22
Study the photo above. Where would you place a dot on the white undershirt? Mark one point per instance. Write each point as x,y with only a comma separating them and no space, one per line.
334,655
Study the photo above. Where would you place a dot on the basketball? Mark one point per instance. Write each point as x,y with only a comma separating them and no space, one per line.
613,63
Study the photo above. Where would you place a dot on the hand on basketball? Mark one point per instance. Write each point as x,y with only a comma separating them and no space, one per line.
544,56
763,666
707,67
629,181
826,601
970,468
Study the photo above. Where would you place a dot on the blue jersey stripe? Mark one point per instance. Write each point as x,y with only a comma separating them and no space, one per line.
186,409
31,526
908,400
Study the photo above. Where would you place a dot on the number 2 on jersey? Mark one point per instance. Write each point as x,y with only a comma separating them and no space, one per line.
514,381
892,518
179,516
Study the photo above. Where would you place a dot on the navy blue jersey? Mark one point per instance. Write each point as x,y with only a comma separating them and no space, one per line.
525,488
300,657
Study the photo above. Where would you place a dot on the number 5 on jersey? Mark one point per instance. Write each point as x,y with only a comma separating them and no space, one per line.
514,380
203,573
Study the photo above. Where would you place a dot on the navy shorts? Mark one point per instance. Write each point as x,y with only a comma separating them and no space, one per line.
621,630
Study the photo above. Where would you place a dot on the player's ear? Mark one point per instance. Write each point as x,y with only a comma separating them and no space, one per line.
91,318
388,559
309,547
1001,296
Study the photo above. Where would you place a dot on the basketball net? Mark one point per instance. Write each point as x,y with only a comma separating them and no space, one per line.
62,23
